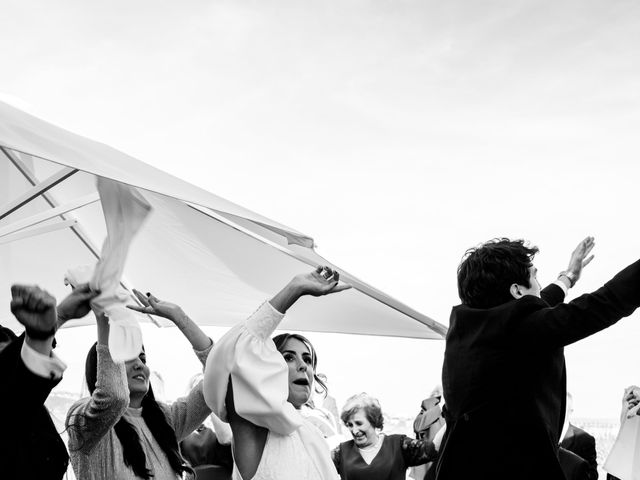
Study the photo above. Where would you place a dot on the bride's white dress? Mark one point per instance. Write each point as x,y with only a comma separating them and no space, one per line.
295,449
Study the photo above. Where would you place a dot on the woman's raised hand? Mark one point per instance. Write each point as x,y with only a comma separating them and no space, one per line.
154,306
322,281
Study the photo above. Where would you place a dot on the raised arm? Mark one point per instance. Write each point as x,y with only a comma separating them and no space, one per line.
90,419
186,413
587,314
554,293
153,306
322,281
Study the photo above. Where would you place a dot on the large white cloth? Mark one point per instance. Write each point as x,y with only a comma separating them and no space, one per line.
624,459
124,213
248,356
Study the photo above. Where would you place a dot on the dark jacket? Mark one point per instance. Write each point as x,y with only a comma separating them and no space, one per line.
30,447
573,466
504,371
582,444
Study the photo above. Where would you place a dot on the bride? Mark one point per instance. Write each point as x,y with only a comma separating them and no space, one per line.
258,385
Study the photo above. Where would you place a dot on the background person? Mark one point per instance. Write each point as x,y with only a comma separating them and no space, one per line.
426,425
372,455
579,442
206,445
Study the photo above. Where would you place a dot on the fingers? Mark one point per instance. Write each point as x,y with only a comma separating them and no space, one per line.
153,301
31,297
341,287
140,309
587,261
333,278
141,297
82,288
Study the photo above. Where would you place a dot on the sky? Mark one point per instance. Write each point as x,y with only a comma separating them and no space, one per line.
396,134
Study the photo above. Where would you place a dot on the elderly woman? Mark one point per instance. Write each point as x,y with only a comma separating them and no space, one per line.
372,455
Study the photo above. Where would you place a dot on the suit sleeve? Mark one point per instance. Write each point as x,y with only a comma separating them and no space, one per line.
27,389
552,294
537,325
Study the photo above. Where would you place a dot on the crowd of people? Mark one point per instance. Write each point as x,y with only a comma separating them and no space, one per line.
503,372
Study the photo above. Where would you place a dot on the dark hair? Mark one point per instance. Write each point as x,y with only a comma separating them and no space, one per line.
281,340
365,402
487,272
132,452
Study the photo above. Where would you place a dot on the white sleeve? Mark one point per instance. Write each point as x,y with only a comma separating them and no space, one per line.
247,356
48,367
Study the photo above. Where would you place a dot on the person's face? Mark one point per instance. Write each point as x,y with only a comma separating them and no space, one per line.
300,363
138,374
363,433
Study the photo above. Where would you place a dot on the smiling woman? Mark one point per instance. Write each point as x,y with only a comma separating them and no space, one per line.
121,431
372,455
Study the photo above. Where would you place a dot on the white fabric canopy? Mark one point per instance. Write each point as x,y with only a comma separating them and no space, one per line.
211,256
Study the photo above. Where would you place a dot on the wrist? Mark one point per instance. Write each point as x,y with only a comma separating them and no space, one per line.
570,276
40,345
179,318
40,334
296,289
63,317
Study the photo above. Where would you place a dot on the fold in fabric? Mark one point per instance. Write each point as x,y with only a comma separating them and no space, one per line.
624,459
124,212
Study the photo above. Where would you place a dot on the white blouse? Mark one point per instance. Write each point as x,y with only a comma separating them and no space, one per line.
260,377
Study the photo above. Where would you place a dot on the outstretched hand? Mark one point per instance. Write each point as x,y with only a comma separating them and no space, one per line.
322,281
580,257
154,306
35,309
77,304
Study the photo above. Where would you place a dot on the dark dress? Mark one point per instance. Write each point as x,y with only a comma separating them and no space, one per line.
397,453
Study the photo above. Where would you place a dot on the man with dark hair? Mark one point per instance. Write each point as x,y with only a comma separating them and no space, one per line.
504,368
30,447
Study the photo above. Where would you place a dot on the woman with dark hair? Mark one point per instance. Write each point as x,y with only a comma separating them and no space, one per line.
121,431
371,455
259,385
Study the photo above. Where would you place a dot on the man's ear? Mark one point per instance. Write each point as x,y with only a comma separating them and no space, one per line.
516,291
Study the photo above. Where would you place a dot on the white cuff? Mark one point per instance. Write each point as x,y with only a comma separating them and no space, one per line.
564,288
48,367
264,321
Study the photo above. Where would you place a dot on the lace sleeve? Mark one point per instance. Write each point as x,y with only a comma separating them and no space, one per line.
417,452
